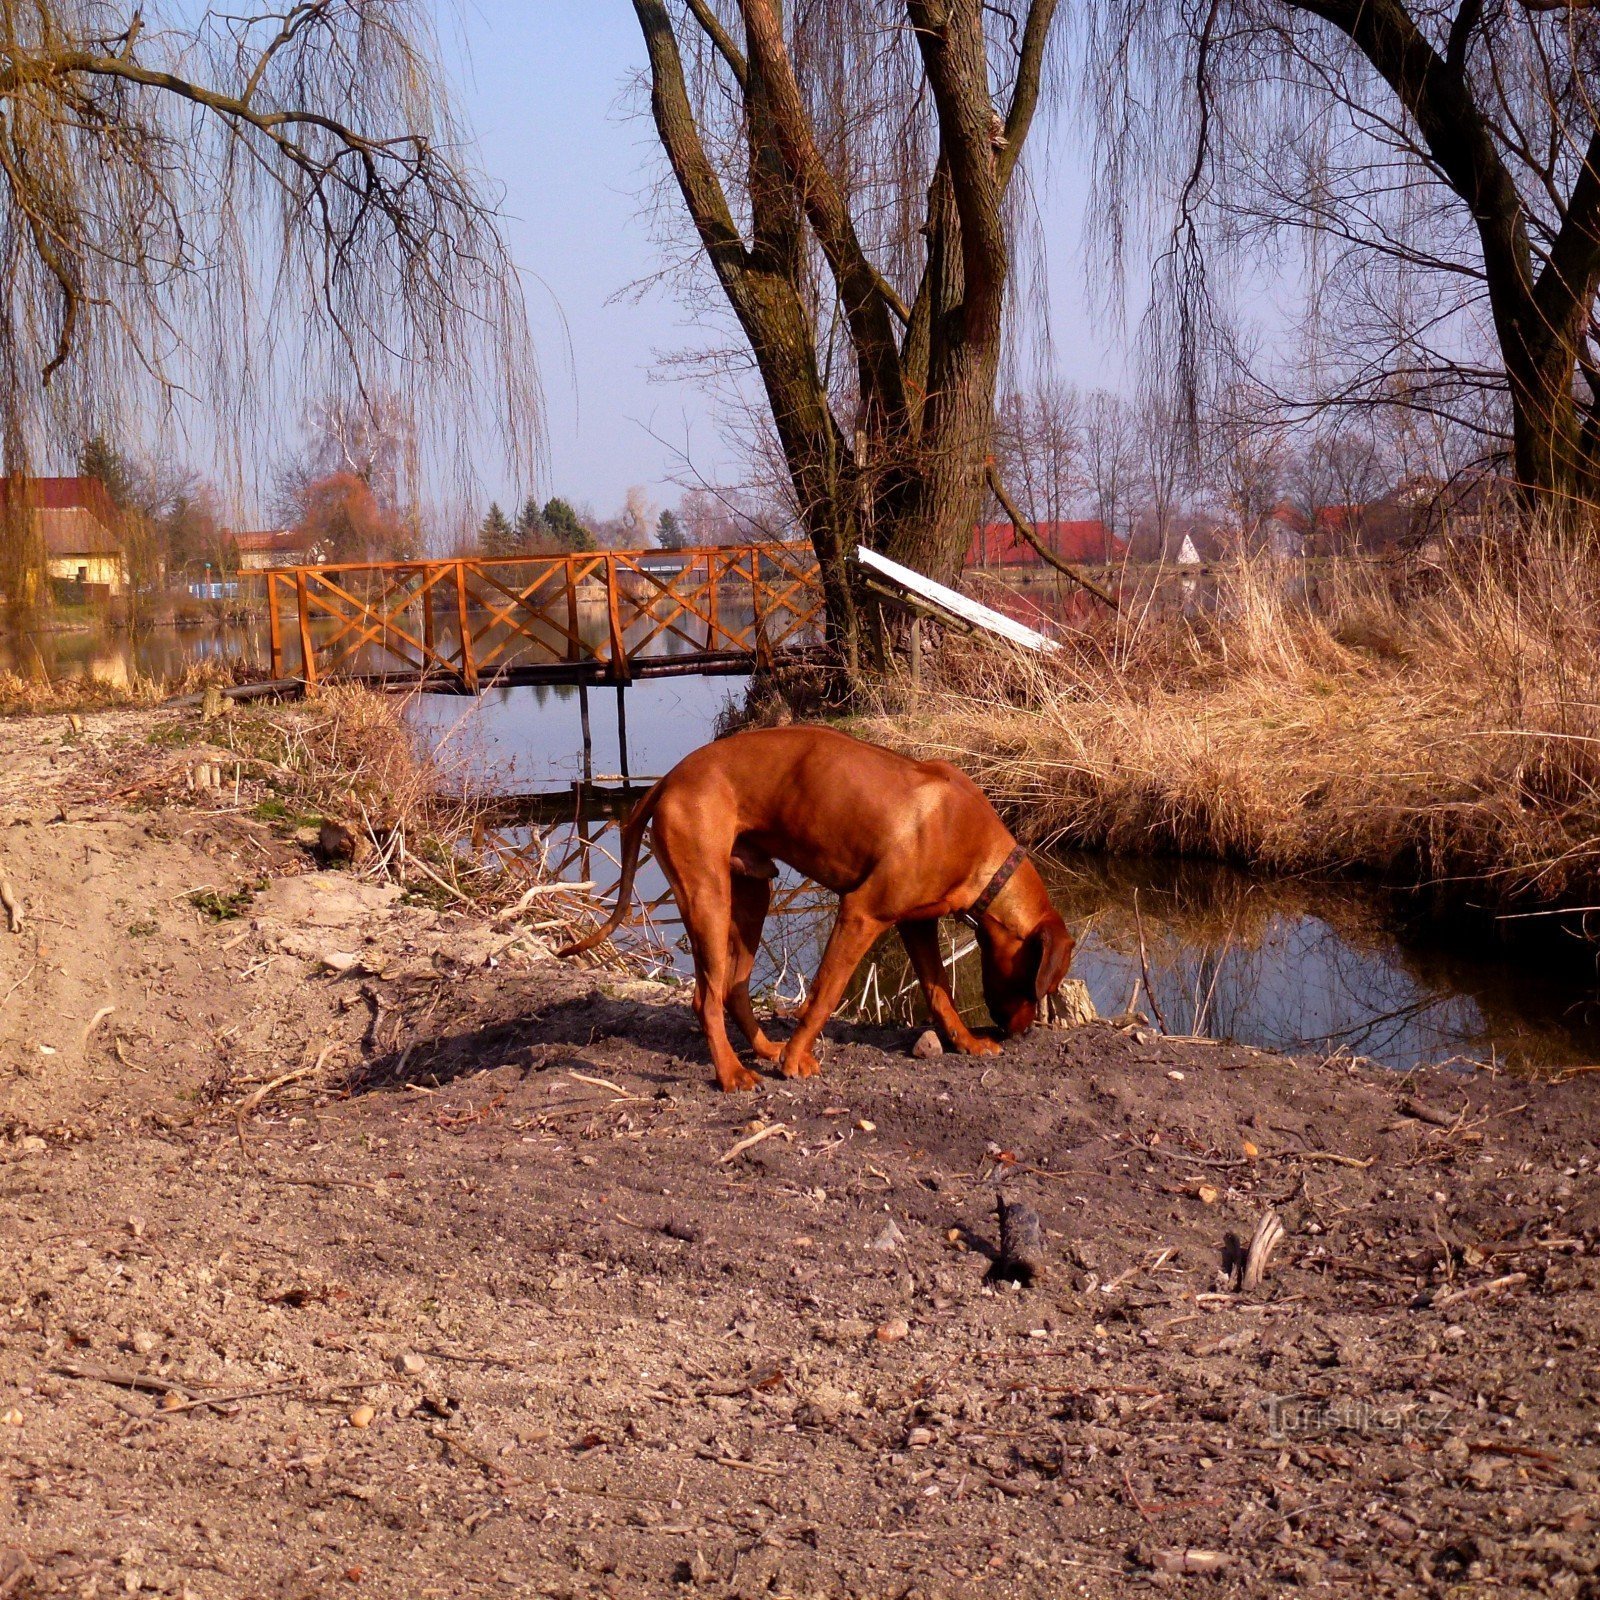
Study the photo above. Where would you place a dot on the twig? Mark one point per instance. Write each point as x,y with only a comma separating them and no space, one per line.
744,1466
1323,1155
256,1096
13,906
1144,968
602,1083
1489,1286
755,1139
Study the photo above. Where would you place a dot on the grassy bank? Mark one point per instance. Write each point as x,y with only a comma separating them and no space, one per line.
1437,725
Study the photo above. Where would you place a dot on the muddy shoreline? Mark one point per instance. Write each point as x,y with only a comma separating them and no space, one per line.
358,1247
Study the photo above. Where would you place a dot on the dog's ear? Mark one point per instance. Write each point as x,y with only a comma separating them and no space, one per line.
1055,957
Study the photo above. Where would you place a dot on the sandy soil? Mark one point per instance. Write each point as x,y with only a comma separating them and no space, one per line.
430,1270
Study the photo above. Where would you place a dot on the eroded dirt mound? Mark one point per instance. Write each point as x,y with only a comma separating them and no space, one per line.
440,1272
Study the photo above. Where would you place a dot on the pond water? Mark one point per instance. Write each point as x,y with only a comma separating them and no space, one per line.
115,655
1292,966
1301,965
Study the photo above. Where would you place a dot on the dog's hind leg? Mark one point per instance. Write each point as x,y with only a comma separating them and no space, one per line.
703,890
751,897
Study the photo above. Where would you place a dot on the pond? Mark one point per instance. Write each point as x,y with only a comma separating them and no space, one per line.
1297,966
1300,966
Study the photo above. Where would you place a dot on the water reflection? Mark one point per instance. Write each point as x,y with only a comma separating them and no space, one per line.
1299,967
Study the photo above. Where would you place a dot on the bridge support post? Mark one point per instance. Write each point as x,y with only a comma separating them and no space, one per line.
308,657
469,670
274,625
622,731
588,742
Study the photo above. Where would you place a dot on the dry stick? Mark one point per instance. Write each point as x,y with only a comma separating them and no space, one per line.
1144,968
1025,528
253,1099
1492,1286
754,1139
13,906
1268,1235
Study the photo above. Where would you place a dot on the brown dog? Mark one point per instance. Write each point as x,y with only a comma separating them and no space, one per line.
901,842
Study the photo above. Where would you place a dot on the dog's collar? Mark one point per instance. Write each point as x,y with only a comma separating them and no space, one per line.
998,882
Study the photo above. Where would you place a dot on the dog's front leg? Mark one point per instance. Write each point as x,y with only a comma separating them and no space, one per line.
853,935
921,940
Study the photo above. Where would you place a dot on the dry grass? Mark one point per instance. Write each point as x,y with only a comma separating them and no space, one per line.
417,820
1438,725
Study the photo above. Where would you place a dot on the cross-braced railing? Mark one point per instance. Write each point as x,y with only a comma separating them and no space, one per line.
601,616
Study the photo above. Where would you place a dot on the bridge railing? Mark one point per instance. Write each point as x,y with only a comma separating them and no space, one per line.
599,616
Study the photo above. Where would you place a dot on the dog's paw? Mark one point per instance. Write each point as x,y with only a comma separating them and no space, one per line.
980,1047
739,1078
803,1066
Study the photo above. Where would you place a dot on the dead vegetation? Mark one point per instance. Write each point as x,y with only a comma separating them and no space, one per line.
1437,724
38,694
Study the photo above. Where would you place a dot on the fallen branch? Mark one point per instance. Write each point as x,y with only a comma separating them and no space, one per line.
13,906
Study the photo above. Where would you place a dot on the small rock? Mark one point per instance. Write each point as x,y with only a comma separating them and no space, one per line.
143,1341
927,1045
919,1437
891,1238
362,1417
33,1143
1207,1194
339,962
12,1418
411,1364
866,1126
892,1331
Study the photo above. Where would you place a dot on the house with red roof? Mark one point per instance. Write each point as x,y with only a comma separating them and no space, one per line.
81,531
1086,542
259,549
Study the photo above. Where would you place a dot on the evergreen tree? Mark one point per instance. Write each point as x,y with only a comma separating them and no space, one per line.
101,459
670,533
533,533
565,528
496,537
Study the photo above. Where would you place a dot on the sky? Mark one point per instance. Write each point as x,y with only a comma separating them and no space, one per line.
545,87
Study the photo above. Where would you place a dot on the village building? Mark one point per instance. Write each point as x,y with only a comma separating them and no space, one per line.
1088,541
81,532
260,549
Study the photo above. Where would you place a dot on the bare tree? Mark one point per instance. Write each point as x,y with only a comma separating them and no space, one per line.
1163,473
1246,463
847,166
1038,446
1440,159
218,203
1111,462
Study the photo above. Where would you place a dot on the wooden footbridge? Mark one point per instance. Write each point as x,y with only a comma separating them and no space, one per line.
602,617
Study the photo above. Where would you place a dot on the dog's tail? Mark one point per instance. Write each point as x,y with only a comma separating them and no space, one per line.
632,834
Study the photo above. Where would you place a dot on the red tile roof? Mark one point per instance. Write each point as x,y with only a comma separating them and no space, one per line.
60,494
269,540
997,544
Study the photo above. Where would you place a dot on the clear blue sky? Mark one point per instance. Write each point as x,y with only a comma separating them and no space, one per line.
545,87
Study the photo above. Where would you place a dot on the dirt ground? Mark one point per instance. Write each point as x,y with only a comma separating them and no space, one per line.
355,1247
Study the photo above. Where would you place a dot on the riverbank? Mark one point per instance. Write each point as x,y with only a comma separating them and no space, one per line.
356,1246
1437,727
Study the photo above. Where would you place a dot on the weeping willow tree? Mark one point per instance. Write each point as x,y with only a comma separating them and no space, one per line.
849,168
217,209
1437,162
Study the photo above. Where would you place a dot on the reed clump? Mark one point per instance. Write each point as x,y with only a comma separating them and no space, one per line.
38,694
1434,721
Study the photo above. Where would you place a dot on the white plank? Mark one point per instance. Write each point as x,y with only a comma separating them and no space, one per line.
953,602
